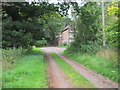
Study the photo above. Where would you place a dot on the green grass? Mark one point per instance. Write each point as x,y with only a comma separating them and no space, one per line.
9,57
29,72
74,76
12,54
63,46
105,67
34,49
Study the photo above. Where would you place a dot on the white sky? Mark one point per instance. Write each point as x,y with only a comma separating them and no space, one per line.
60,1
56,1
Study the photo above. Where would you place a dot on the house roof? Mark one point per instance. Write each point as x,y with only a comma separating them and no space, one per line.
66,28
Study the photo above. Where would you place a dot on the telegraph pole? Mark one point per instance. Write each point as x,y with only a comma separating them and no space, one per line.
103,24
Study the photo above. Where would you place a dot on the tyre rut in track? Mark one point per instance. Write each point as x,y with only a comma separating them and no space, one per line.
98,80
56,77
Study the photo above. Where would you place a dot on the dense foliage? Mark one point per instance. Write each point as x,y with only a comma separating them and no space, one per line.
112,30
24,23
14,34
12,55
40,43
89,26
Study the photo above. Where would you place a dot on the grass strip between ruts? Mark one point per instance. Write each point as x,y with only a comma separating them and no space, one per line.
77,79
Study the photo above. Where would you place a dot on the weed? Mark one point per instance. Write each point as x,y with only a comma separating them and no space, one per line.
10,56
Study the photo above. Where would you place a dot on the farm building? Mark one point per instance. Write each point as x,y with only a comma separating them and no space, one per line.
66,35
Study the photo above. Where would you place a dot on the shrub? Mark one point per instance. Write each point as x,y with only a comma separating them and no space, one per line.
110,53
112,34
63,45
40,43
12,54
90,47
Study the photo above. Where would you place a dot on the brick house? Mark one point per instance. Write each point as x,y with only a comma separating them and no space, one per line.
66,35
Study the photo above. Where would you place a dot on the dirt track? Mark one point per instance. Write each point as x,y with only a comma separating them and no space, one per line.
98,80
57,78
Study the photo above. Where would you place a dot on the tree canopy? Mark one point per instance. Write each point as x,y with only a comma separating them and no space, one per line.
24,23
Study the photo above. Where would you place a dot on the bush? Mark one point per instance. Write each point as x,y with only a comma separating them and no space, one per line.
11,55
40,43
110,53
90,47
63,45
112,34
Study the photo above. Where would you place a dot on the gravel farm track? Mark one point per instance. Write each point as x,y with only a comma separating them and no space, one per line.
57,78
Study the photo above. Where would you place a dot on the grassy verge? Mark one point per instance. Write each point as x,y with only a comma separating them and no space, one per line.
74,76
10,56
29,72
105,67
37,50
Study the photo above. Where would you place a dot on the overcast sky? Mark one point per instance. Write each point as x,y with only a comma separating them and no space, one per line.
56,1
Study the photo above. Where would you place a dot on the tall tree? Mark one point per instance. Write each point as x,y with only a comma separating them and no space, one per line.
31,20
87,25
